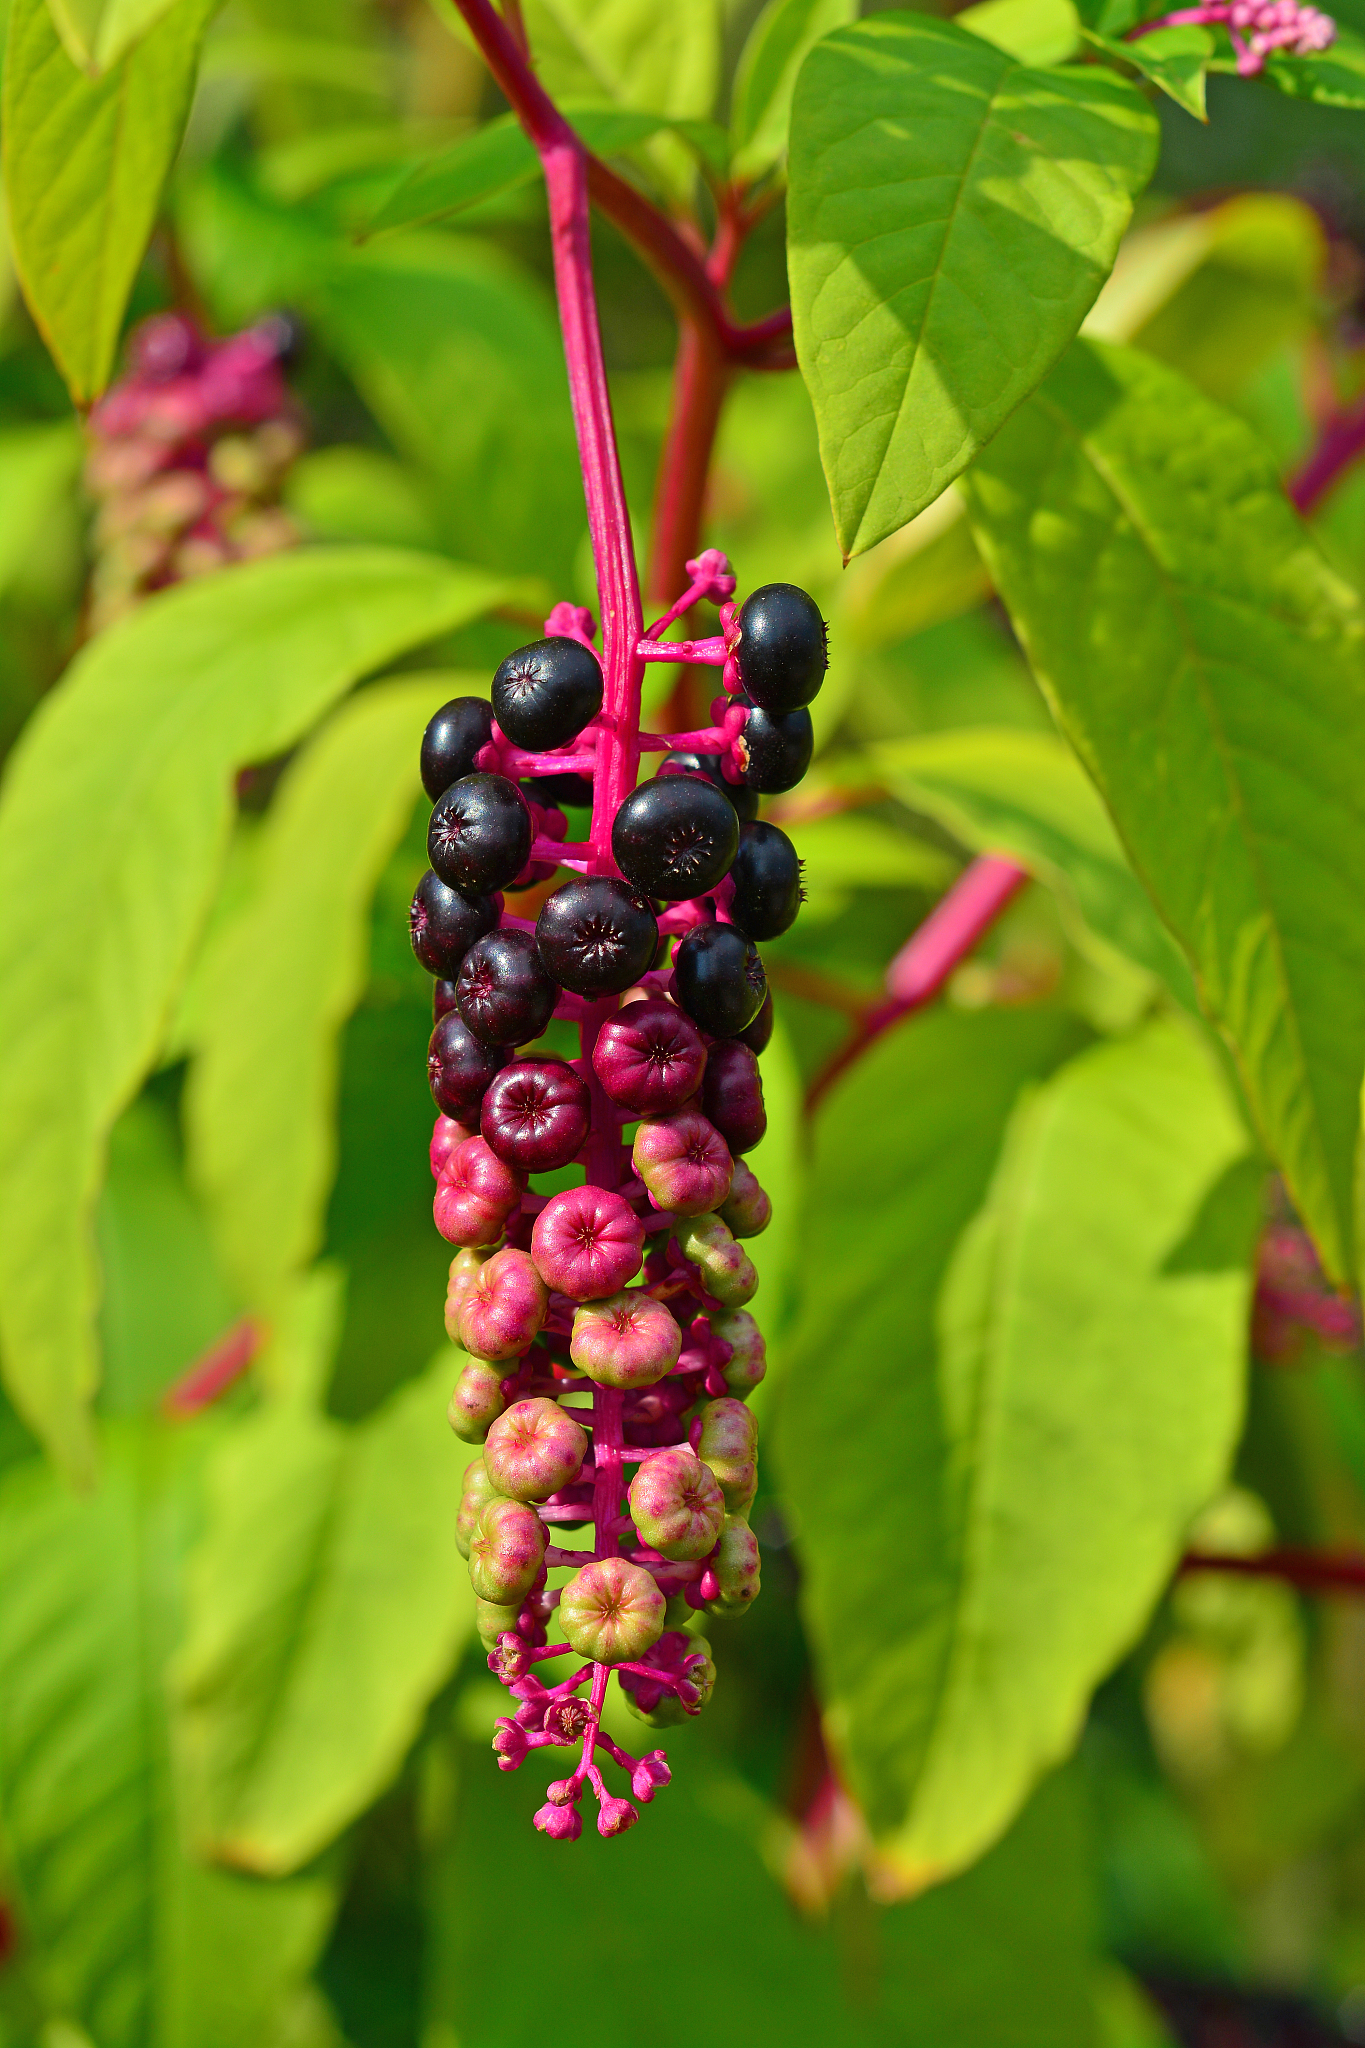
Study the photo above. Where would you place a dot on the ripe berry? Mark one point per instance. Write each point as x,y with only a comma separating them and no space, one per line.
480,833
460,1067
675,838
503,993
629,1340
708,767
596,936
452,740
732,1096
612,1611
773,751
565,789
783,648
758,1035
587,1243
534,1449
444,923
719,979
683,1161
649,1057
536,1115
546,693
442,999
767,876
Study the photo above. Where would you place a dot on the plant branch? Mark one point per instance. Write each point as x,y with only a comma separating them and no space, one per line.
1340,441
1312,1571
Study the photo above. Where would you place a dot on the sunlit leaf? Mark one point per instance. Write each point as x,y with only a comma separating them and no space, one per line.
765,77
1334,77
1176,59
97,32
1038,32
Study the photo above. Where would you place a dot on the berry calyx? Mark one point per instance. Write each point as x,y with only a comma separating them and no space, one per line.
611,1611
587,1243
782,650
773,751
502,992
677,1505
684,1162
443,924
501,1311
675,837
596,936
534,1449
708,767
732,1096
649,1057
536,1115
629,1340
766,873
719,978
480,834
544,694
452,741
460,1067
507,1552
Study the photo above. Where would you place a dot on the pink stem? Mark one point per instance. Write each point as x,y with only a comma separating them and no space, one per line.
1342,439
707,739
710,653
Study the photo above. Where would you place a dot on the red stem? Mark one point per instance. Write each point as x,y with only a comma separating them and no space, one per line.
1312,1571
210,1376
1342,439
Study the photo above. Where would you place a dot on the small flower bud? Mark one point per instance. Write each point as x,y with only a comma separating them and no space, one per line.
677,1505
746,1209
534,1449
507,1552
476,1403
727,1273
734,1569
628,1340
446,1135
478,1491
650,1775
476,1194
684,1162
611,1611
748,1360
587,1243
560,1823
615,1816
503,1307
510,1745
493,1620
728,1443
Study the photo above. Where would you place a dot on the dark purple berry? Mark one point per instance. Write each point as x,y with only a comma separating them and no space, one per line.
480,833
503,992
744,800
732,1094
596,937
460,1068
444,924
675,838
649,1057
442,999
564,789
536,1115
452,740
767,877
774,749
758,1035
546,693
783,648
719,978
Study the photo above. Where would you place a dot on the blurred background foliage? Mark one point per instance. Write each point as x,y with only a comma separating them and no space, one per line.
248,1791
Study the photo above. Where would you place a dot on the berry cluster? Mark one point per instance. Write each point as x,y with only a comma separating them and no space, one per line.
187,452
609,1347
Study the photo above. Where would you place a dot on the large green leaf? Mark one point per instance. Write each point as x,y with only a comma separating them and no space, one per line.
1000,789
116,811
129,1937
260,1106
84,162
38,464
952,215
1334,77
97,32
1205,663
765,77
994,1437
660,54
327,1603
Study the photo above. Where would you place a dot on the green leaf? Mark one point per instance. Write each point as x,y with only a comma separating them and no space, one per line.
127,1935
1176,59
1038,32
140,743
765,77
261,1101
1334,77
660,54
327,1603
1003,790
96,33
951,217
84,163
1205,664
927,572
847,851
1040,1406
38,466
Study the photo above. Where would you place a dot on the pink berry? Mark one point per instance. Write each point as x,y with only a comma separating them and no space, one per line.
465,1268
611,1611
507,1552
676,1505
684,1162
534,1449
446,1135
503,1307
628,1340
649,1057
587,1243
476,1194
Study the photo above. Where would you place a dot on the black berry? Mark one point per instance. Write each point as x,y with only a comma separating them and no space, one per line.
767,877
596,937
536,1115
546,693
452,740
783,647
442,999
503,992
774,749
444,924
460,1067
480,833
732,1094
675,838
564,789
719,979
758,1035
744,800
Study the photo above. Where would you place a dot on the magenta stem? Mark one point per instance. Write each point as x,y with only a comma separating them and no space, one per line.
1341,441
709,652
704,739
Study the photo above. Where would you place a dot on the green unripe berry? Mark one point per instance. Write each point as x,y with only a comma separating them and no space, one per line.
729,1445
727,1273
670,1711
736,1566
507,1552
492,1619
476,1403
478,1491
534,1449
748,1360
611,1611
676,1505
746,1209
